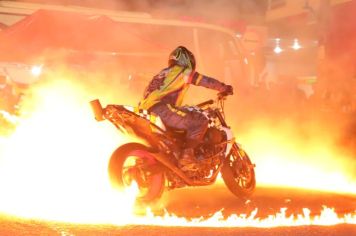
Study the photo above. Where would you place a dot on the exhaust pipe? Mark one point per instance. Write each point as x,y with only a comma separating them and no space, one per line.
97,110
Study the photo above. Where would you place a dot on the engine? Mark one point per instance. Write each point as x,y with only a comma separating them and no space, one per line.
210,154
214,136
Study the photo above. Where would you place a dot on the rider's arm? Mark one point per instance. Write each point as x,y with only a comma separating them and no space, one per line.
207,82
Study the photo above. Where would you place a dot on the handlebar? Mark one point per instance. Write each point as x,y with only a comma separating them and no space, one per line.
209,102
221,96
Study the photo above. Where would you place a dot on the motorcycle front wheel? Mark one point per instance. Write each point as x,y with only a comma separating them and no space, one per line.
133,162
238,173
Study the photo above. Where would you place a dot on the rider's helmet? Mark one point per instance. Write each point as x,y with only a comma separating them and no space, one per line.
183,57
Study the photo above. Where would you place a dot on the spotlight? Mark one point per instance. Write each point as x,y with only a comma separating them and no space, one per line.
296,45
36,70
277,49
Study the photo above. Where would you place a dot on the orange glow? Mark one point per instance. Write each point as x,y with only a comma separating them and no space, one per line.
284,158
54,166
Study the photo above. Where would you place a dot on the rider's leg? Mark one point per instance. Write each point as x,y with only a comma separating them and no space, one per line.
193,122
198,124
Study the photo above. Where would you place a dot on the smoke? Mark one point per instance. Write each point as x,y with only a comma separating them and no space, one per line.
212,11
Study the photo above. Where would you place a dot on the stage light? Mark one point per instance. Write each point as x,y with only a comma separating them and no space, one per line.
36,70
296,45
278,48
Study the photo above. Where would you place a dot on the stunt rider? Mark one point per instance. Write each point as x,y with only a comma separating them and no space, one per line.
164,96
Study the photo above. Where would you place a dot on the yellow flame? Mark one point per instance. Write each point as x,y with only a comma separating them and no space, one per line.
56,160
9,117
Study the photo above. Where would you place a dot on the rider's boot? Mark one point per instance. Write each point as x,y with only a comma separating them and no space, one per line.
187,156
188,160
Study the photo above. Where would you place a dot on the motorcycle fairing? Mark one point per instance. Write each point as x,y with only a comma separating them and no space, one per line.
147,115
127,121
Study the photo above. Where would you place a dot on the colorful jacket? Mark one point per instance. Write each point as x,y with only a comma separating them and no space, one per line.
170,85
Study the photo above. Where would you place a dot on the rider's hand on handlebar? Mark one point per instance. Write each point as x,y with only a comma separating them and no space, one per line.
228,90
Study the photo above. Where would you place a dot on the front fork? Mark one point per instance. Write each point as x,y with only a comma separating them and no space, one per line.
241,162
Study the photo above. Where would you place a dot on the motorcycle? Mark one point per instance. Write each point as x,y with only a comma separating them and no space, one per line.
154,165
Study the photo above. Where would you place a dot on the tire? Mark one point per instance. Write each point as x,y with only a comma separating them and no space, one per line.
238,173
151,185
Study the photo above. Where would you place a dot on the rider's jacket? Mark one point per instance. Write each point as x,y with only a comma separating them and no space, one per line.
170,85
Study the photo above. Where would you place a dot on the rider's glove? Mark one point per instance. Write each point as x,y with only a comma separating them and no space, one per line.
228,90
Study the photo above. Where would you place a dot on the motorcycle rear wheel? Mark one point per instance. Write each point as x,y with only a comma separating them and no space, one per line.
131,162
238,173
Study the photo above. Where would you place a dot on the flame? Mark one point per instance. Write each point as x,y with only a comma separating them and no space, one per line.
56,160
284,158
54,167
326,217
